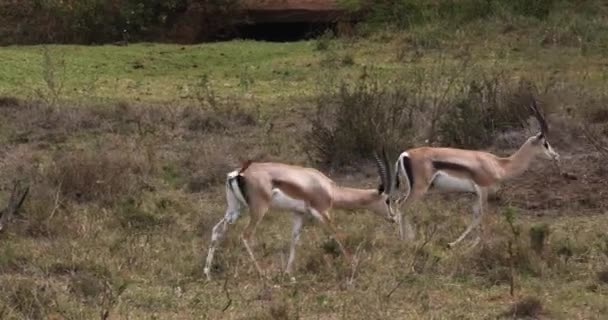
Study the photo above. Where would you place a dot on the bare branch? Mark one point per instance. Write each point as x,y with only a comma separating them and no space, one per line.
544,129
595,141
225,287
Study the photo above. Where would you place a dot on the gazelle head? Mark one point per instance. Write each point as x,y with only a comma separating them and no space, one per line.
539,141
384,205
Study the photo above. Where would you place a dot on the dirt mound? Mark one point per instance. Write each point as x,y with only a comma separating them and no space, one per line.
289,11
580,188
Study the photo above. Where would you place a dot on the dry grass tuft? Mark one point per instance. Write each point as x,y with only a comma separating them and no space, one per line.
526,308
9,102
602,276
30,299
103,176
206,165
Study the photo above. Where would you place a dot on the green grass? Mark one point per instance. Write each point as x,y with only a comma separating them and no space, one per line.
276,72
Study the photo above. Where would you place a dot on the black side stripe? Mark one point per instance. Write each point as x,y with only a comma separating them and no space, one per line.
443,165
407,164
240,181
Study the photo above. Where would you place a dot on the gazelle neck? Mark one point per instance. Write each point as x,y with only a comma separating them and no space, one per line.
519,161
351,198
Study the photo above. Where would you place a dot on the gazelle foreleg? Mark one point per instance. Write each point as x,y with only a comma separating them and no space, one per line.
478,212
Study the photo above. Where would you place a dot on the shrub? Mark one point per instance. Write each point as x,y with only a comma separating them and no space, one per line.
410,13
538,236
353,121
602,276
213,113
30,299
104,175
207,165
527,308
484,109
101,21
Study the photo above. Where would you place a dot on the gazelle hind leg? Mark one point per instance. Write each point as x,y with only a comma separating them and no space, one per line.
482,194
217,234
329,227
256,214
298,220
406,230
233,211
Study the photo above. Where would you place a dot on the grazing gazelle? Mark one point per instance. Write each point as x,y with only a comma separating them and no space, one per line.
261,186
466,171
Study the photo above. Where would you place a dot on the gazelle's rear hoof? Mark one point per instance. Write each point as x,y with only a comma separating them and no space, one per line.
475,243
207,275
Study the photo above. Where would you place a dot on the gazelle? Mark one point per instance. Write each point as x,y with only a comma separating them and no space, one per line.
304,191
458,170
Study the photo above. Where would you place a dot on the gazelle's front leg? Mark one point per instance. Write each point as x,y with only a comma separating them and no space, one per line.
298,220
478,212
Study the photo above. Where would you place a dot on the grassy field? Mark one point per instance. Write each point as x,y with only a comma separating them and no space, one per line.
126,150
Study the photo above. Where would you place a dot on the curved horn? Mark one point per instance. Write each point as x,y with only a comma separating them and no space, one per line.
382,173
539,117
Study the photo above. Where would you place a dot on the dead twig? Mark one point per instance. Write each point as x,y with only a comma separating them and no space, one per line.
229,303
511,270
355,265
596,142
57,204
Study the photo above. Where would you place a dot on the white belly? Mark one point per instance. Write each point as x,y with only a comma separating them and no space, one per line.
282,201
443,182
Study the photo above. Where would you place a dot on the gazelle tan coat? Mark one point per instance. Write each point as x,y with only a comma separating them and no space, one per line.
304,191
465,170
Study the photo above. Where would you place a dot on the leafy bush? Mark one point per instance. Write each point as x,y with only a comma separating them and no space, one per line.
409,13
102,21
485,108
353,121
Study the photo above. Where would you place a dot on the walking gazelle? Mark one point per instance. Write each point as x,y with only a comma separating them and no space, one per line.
303,191
465,171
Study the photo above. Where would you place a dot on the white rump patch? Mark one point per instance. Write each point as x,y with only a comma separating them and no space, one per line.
232,174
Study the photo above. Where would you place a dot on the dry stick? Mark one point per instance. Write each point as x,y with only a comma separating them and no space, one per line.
595,142
225,287
511,270
56,204
355,264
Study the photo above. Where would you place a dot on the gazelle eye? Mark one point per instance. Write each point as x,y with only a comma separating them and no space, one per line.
387,201
546,144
